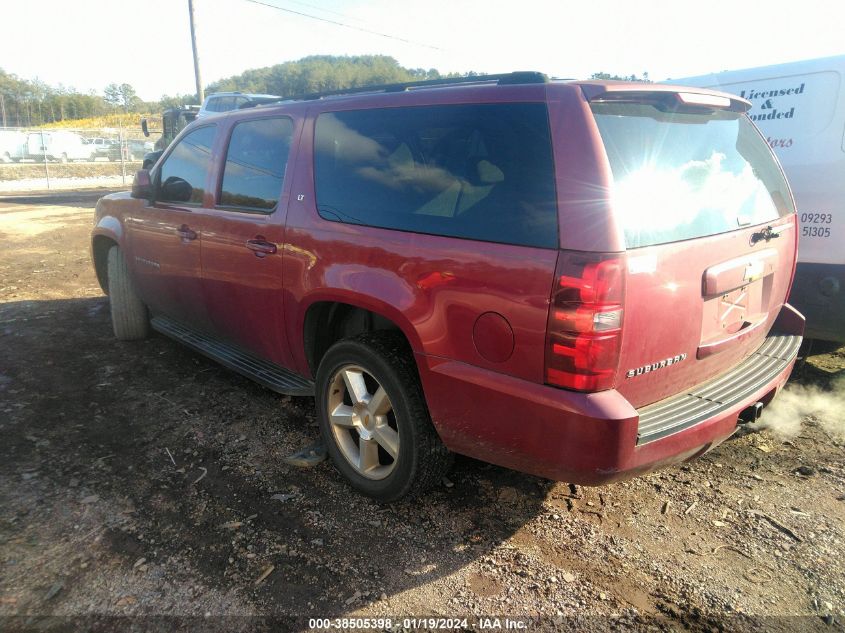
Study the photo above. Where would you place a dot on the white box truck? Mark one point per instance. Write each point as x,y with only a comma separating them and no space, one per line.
12,146
800,109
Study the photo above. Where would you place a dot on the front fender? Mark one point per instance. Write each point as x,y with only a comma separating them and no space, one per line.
108,226
108,229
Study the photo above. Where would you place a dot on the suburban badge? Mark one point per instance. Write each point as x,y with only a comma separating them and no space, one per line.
647,369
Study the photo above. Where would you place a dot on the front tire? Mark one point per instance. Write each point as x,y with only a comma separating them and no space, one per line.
374,420
128,313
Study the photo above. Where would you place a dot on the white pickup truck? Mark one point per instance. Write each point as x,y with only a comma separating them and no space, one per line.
800,109
59,146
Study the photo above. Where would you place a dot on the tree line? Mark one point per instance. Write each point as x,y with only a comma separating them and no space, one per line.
29,103
26,103
318,73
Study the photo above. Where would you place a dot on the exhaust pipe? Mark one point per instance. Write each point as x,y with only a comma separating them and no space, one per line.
751,414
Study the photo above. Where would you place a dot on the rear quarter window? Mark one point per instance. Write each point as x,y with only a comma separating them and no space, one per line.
481,172
680,176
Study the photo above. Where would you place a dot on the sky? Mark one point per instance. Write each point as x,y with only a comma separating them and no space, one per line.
87,44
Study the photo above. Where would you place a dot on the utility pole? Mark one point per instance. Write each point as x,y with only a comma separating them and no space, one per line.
200,93
3,109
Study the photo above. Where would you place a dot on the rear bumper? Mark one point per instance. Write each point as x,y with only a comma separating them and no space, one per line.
592,438
721,394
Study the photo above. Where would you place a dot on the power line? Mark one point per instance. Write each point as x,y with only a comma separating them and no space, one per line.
343,24
314,6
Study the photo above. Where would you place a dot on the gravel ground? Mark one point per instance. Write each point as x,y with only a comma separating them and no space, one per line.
142,480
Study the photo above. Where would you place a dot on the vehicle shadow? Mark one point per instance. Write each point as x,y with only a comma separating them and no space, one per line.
86,199
186,461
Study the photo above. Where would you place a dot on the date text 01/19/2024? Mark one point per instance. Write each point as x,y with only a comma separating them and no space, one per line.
408,623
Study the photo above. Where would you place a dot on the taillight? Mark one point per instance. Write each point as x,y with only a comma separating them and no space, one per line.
585,321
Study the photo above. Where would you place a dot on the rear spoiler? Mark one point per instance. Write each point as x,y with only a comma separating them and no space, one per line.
670,97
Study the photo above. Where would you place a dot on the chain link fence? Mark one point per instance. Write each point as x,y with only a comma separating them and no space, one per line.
65,158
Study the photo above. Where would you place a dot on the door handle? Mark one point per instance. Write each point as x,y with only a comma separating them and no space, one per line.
186,233
261,247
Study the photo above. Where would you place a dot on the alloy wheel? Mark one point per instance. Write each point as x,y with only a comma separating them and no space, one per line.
362,422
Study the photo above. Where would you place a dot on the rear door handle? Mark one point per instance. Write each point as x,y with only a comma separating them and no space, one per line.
261,247
186,233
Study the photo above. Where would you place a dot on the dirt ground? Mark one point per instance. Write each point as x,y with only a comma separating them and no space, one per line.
140,480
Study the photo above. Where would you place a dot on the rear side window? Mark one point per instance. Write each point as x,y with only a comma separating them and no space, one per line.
182,175
255,163
221,104
482,172
679,176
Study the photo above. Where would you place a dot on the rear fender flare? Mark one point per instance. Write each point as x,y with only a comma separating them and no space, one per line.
365,302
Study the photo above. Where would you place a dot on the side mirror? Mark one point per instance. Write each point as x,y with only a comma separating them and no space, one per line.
142,185
144,127
176,189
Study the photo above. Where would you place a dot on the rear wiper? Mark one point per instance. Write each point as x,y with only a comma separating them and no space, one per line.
766,234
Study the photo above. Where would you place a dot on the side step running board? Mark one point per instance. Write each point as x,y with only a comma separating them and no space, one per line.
261,371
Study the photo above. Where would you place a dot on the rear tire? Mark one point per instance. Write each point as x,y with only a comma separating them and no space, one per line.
386,451
128,313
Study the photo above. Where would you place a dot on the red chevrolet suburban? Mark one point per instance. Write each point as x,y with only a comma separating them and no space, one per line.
581,280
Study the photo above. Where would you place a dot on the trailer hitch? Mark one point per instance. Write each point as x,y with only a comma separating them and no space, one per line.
751,414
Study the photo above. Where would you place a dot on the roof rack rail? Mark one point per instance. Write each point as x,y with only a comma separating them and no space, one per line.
514,78
505,79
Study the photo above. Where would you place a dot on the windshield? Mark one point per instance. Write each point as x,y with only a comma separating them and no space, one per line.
679,176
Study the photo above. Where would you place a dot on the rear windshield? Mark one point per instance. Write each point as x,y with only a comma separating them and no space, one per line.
679,176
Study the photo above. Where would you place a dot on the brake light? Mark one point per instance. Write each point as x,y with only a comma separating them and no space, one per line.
584,331
696,98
